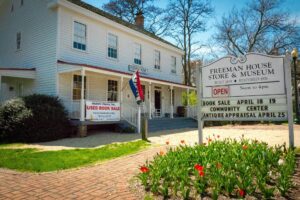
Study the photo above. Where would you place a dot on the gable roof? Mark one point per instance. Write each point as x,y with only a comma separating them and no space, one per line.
119,21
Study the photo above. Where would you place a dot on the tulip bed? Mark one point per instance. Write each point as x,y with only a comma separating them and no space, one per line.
228,168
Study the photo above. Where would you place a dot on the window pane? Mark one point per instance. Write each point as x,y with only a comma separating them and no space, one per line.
79,36
112,92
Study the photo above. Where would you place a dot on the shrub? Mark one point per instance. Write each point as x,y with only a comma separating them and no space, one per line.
13,115
230,168
47,119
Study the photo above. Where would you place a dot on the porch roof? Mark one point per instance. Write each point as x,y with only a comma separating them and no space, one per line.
18,72
124,74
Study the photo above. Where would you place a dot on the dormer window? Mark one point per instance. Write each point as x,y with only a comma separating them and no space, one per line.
79,40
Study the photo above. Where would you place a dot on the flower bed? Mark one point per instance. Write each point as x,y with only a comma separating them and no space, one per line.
221,168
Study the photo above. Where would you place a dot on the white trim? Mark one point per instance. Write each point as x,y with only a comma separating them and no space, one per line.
81,21
114,24
30,74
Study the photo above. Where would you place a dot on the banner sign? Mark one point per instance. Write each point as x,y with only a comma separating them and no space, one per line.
248,88
102,111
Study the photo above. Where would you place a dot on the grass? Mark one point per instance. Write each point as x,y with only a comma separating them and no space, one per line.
33,160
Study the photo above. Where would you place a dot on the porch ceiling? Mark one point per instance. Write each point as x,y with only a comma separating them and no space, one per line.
102,70
18,72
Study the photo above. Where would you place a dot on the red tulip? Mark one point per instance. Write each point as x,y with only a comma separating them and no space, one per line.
245,147
201,173
199,167
218,165
144,169
242,193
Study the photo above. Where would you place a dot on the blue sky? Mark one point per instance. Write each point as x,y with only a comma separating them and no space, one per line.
221,7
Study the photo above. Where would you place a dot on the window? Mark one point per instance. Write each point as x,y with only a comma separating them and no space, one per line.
144,91
112,91
137,54
79,36
18,40
112,49
173,97
77,80
12,8
173,64
156,59
22,3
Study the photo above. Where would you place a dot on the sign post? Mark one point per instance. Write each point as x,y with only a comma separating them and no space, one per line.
254,87
199,95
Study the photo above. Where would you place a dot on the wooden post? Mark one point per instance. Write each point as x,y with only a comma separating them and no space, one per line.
187,102
82,105
288,85
199,95
139,119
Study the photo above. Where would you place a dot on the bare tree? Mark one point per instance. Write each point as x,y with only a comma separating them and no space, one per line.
156,21
262,26
188,19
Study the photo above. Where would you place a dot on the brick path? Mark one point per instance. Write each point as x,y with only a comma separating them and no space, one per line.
104,181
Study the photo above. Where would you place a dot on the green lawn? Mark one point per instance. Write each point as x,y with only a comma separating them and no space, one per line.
34,160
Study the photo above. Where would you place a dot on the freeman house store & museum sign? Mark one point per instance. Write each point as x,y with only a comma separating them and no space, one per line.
254,87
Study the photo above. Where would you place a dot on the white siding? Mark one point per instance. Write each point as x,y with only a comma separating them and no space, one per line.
96,53
38,26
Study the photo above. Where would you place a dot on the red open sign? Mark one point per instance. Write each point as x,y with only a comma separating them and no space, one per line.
220,91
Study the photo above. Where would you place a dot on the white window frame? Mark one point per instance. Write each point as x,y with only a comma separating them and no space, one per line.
79,88
135,53
157,62
173,64
86,36
110,46
115,92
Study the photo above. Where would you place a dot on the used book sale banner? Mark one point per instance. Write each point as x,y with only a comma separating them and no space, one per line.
253,87
102,111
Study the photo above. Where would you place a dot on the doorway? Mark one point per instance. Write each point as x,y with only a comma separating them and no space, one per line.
157,103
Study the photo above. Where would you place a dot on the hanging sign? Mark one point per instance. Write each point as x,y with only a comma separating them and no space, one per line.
247,88
102,111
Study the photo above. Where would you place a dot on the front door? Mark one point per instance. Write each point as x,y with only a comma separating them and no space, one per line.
157,103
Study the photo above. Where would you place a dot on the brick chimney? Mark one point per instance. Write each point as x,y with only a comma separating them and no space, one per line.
139,20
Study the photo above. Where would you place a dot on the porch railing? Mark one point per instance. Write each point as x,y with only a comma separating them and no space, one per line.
129,113
192,111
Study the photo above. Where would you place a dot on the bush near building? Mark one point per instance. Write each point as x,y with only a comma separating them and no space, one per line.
33,118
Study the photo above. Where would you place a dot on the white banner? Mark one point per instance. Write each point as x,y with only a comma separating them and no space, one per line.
102,111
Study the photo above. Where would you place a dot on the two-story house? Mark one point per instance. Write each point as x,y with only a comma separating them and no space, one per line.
78,52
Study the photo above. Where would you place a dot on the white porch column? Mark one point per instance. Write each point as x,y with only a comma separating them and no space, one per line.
82,104
150,84
187,102
172,100
121,94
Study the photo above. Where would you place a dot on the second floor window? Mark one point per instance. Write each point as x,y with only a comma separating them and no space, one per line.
112,90
18,41
112,49
137,54
173,64
156,59
79,36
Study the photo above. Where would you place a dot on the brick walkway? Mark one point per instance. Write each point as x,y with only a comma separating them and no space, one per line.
104,181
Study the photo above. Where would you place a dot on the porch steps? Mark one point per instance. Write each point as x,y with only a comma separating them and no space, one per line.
162,124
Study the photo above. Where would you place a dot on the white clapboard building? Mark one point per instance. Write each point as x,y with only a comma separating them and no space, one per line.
47,46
